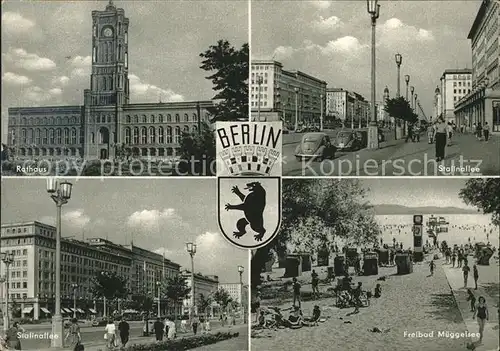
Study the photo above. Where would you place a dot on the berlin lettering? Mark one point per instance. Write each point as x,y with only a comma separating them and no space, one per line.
249,134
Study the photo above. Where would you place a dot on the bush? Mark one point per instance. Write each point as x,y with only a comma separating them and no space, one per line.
184,343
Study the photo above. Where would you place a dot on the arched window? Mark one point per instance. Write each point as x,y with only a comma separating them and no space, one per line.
103,135
92,138
144,119
136,119
152,118
195,129
66,136
58,136
24,138
73,136
126,59
136,135
119,54
104,86
186,129
169,135
95,30
94,54
110,83
152,135
195,117
37,136
160,118
128,135
73,120
177,136
186,117
30,136
65,120
58,121
129,120
44,136
98,119
126,37
169,118
30,121
23,121
51,136
51,121
144,135
161,136
177,118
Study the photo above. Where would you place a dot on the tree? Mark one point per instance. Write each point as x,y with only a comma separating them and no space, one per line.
485,195
109,285
230,80
222,297
142,303
400,108
197,153
315,213
176,290
203,302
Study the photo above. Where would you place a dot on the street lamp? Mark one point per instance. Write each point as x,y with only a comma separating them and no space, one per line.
259,84
241,269
415,105
399,61
321,113
407,81
158,285
374,11
74,286
60,192
8,259
296,109
191,249
412,89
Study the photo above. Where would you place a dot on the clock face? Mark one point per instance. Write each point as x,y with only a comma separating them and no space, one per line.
108,32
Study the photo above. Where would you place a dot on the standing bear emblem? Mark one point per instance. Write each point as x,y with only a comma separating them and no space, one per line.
253,207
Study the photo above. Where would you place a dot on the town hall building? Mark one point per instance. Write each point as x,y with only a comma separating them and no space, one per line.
107,124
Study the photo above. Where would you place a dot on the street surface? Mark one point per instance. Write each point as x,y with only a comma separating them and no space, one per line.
397,158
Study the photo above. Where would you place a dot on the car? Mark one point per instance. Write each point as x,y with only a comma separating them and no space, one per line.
99,322
315,145
350,140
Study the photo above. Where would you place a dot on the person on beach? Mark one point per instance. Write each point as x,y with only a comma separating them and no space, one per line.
453,259
481,312
466,270
472,298
459,258
296,292
356,296
447,256
432,265
476,276
378,291
315,283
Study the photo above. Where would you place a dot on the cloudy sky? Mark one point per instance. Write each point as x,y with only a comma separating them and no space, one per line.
416,192
46,48
332,41
158,214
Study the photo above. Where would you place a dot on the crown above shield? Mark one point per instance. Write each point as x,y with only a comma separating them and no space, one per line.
249,160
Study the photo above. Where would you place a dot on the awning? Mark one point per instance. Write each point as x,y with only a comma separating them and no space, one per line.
71,310
66,310
92,311
27,310
130,311
79,310
44,310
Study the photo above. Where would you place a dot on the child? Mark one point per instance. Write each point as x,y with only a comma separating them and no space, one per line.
472,300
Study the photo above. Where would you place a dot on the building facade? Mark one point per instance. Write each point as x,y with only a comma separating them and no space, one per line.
203,284
482,103
107,124
285,95
237,291
32,274
438,105
455,84
348,106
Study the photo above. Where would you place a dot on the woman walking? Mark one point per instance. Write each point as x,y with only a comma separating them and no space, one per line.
74,334
479,131
12,337
110,334
476,276
440,131
482,316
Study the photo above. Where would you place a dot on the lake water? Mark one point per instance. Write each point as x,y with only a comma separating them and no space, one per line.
477,227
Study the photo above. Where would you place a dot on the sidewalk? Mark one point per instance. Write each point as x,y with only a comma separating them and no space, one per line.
456,282
101,344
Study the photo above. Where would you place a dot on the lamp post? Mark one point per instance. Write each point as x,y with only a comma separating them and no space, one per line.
241,269
412,90
259,84
407,81
191,249
296,109
374,11
60,192
158,285
415,105
399,61
74,286
321,114
8,259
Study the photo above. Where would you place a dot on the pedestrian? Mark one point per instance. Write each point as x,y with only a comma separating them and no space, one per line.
296,292
74,334
472,298
440,138
479,131
453,258
409,136
466,270
356,295
124,329
255,308
430,133
12,337
432,265
459,258
476,276
482,314
110,334
194,324
158,329
416,132
449,130
486,131
170,329
314,284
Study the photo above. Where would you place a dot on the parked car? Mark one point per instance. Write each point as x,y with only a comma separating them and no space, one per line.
350,140
315,145
99,322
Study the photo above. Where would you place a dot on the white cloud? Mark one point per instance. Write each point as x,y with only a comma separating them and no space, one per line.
145,92
326,25
80,72
347,44
322,5
283,52
37,94
55,91
28,61
424,34
152,219
395,34
15,79
76,217
81,61
62,80
13,22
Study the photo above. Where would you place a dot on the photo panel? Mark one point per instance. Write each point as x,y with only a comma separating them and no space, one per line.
376,264
379,88
120,88
141,251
